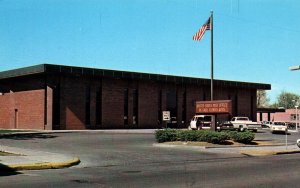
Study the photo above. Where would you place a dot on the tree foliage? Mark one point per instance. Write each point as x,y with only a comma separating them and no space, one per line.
287,100
262,99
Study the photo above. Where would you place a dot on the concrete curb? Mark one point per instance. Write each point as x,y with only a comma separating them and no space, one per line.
113,131
162,145
247,152
215,147
266,153
45,165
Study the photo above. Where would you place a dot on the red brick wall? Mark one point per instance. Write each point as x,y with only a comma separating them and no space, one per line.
6,111
148,105
113,103
73,103
280,116
29,106
49,106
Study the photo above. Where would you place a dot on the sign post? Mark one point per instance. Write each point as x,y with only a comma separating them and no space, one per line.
166,117
214,107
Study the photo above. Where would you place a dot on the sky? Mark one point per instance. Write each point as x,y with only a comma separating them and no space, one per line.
254,40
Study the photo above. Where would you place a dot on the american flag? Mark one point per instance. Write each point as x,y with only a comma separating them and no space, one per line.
207,26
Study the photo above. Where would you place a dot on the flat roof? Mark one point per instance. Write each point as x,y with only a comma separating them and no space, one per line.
269,110
83,71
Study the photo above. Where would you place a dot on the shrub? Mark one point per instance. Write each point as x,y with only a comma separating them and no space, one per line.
242,137
166,135
213,137
189,135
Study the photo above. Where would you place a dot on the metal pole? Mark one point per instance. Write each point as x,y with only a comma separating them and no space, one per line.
297,118
213,127
212,57
286,140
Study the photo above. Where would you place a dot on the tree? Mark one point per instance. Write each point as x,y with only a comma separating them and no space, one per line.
262,99
287,100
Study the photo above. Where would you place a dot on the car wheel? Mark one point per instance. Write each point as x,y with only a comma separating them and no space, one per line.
198,128
242,129
298,143
190,128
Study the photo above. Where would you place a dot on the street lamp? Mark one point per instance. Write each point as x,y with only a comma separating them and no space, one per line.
292,68
296,118
296,106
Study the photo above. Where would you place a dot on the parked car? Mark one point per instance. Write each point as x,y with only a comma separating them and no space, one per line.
279,127
199,122
266,124
225,126
291,125
243,123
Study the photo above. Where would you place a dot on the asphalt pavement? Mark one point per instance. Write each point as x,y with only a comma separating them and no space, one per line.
32,159
125,158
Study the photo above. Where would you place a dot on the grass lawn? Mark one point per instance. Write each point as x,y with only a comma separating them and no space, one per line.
3,153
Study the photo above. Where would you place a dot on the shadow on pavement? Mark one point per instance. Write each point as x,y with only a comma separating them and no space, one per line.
27,136
6,171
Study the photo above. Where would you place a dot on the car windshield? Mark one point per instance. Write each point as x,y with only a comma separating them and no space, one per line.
242,119
279,123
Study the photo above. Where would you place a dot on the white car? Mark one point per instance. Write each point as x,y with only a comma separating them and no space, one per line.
199,122
279,127
266,124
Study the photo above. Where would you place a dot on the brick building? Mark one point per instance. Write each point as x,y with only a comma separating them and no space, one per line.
64,97
282,115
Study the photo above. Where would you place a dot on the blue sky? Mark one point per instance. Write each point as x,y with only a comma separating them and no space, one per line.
254,40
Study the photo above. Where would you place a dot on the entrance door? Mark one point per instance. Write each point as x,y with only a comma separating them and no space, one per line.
16,118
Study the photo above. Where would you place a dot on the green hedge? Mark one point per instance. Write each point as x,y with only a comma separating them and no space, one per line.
169,135
166,135
242,137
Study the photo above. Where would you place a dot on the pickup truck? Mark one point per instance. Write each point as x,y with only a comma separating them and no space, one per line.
199,122
243,123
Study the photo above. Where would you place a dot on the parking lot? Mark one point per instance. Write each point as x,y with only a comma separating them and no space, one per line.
130,159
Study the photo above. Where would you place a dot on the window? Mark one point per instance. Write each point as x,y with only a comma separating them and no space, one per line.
293,117
126,106
56,106
135,107
87,105
183,113
99,106
159,103
172,103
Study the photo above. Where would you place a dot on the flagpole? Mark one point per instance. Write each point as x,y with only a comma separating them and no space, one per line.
212,58
213,120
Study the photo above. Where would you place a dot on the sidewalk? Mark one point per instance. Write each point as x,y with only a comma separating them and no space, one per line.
116,131
27,159
249,150
259,150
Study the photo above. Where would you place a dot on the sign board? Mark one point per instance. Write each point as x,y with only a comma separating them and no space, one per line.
166,115
214,107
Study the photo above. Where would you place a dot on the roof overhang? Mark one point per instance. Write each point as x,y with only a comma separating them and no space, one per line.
270,110
93,72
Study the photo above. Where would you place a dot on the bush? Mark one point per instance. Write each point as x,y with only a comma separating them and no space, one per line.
242,137
189,135
168,135
212,137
